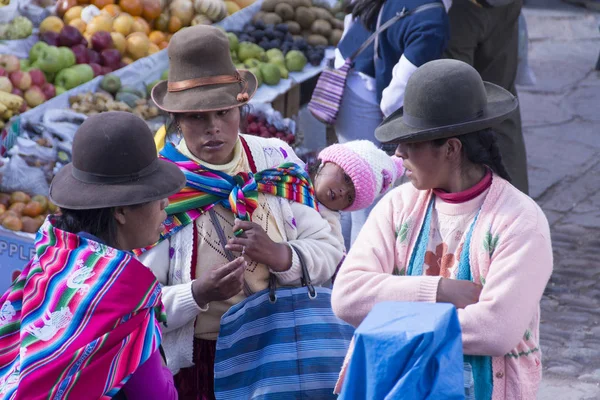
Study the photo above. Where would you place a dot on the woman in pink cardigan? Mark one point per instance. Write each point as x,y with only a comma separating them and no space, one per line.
460,233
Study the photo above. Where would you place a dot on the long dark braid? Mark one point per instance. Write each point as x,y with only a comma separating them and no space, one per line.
367,12
481,148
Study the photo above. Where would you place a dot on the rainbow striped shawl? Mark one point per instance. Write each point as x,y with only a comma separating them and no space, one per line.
206,188
78,321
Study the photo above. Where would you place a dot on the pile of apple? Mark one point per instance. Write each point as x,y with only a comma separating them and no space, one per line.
258,125
30,85
21,212
99,53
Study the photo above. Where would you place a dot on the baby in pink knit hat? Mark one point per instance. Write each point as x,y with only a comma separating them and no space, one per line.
352,175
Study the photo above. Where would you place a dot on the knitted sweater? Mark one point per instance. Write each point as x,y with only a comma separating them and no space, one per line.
171,261
510,255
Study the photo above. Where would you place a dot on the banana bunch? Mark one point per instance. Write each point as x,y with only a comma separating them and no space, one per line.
9,106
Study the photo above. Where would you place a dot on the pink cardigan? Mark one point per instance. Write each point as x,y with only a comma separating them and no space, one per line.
511,255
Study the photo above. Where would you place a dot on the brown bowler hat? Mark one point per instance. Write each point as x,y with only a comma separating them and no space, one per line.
202,76
446,98
114,164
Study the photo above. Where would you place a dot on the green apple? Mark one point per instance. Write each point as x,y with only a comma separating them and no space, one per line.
67,57
74,76
132,90
36,50
49,60
50,76
111,83
25,65
59,90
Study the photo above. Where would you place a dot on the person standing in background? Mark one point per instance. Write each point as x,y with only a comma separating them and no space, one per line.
485,34
375,85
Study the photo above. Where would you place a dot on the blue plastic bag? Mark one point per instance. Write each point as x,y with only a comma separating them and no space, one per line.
407,351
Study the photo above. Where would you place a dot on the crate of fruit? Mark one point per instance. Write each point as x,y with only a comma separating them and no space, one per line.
262,120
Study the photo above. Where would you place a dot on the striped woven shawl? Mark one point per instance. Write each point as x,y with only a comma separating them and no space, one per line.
206,188
78,321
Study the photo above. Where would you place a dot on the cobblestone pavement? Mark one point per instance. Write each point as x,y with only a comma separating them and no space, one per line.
561,119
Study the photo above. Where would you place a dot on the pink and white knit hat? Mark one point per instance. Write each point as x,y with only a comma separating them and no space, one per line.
371,170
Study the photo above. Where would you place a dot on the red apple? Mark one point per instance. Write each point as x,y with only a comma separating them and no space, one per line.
69,36
37,77
290,138
17,91
34,96
93,57
110,58
81,54
50,38
97,68
49,90
10,63
101,40
20,79
23,108
121,65
106,70
3,72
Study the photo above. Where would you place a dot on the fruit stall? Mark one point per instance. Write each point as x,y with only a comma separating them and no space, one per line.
62,61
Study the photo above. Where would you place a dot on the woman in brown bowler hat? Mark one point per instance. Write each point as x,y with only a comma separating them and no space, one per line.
82,321
204,267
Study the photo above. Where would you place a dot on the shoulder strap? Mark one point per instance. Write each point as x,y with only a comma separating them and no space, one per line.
392,21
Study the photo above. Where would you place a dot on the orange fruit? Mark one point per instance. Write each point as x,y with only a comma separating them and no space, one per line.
102,3
17,207
100,22
137,46
19,197
72,13
112,9
119,42
153,48
12,223
79,24
163,45
152,9
33,209
140,25
51,23
174,24
157,37
133,7
123,24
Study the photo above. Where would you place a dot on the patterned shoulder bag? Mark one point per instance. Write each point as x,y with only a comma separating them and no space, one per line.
327,96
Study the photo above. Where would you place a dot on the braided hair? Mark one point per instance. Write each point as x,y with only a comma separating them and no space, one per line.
481,148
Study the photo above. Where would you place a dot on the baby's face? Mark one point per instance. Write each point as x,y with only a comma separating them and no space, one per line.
334,187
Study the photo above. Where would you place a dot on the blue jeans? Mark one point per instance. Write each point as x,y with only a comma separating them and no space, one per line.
357,120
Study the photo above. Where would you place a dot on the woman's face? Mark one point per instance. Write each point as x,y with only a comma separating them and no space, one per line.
425,164
211,136
334,188
140,226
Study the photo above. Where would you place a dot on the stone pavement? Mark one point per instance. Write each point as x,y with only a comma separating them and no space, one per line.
561,121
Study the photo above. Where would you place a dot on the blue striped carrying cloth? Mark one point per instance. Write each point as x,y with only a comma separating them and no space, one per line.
292,348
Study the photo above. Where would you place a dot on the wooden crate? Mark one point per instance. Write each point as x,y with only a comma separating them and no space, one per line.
288,103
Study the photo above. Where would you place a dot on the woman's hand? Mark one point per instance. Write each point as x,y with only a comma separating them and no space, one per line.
219,284
256,244
459,293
